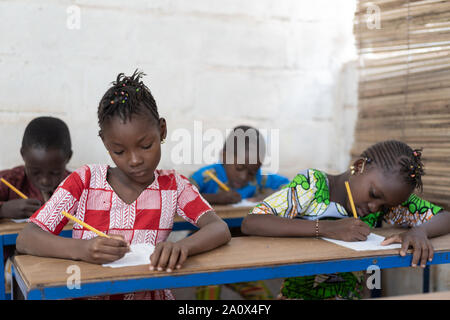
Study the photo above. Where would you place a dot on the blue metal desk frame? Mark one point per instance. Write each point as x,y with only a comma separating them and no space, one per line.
9,240
221,277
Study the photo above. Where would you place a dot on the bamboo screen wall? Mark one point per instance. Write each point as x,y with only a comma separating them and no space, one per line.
404,83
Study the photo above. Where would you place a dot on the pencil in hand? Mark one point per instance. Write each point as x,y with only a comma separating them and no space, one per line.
22,209
84,224
69,216
350,198
14,188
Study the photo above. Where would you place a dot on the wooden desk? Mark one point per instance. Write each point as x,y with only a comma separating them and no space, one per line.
232,215
8,235
9,230
242,259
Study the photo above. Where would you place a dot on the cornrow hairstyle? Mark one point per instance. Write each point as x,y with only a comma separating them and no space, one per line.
393,155
47,133
127,96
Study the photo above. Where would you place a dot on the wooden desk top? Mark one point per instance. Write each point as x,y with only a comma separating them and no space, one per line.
240,252
8,226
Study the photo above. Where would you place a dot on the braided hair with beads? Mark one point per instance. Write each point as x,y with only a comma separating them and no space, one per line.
397,157
128,96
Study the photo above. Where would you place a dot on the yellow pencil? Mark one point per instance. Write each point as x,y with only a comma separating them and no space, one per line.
84,224
220,183
63,212
14,188
350,198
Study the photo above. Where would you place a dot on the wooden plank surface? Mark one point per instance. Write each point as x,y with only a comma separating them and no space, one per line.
240,252
404,84
8,226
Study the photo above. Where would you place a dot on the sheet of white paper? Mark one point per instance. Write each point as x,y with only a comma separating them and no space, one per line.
372,243
245,203
19,220
139,254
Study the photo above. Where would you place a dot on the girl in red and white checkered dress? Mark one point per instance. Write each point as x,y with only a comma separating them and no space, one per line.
132,202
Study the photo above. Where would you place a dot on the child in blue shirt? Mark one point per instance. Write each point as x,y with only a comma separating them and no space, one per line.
244,177
240,171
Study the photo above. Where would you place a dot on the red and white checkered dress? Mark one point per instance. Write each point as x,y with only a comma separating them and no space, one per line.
87,195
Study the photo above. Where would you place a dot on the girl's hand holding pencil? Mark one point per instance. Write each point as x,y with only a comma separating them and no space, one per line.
346,229
352,229
100,250
349,229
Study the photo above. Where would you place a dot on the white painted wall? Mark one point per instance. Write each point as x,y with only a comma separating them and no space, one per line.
274,64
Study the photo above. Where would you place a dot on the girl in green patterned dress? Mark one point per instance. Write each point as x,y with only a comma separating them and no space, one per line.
382,181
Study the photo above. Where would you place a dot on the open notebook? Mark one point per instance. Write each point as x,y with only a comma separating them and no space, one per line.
139,254
372,243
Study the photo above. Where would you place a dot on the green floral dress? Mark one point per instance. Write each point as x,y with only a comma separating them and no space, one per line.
307,196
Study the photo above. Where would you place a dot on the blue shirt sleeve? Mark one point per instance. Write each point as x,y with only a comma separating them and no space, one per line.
204,183
197,180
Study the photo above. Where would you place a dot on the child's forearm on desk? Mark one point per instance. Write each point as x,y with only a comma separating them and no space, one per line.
437,226
273,226
35,241
213,233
